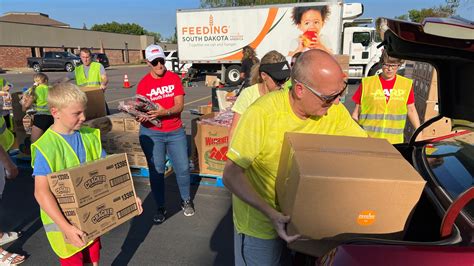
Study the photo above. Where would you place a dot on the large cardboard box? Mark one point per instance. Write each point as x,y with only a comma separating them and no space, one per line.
212,142
336,188
79,186
95,102
104,214
211,81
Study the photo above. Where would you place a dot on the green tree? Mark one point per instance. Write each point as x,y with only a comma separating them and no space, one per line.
416,15
125,28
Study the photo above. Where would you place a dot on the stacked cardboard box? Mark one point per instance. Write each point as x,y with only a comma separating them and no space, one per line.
119,134
425,87
343,61
211,142
97,196
372,195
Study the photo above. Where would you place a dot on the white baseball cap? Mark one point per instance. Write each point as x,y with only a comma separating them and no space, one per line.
153,52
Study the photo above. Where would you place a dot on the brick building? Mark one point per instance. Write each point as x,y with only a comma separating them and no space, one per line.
25,35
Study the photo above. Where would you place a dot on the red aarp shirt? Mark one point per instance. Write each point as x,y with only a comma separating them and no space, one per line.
387,86
162,91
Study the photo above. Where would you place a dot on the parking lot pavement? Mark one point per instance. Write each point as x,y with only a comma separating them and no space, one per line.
203,239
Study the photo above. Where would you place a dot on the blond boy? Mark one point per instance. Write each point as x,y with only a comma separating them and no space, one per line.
65,144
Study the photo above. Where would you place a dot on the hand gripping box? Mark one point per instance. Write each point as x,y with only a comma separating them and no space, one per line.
338,188
81,185
104,214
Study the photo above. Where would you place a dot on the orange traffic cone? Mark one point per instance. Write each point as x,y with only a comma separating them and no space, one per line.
183,75
126,84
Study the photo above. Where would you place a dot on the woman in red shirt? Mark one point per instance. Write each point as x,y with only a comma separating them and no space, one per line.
164,88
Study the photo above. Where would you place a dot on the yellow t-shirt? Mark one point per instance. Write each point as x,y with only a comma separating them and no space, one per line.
246,98
256,147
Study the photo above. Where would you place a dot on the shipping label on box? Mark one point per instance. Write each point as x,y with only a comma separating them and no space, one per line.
79,186
212,142
336,187
104,214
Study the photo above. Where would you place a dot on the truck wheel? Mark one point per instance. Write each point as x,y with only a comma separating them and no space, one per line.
37,67
69,67
376,69
232,75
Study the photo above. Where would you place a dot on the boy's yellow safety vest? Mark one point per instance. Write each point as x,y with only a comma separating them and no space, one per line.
60,155
382,119
93,77
41,92
6,136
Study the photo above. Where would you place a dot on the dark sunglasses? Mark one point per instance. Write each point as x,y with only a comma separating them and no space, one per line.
325,98
157,60
280,82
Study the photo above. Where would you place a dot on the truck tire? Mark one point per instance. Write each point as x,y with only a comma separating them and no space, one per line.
232,75
36,67
375,70
69,67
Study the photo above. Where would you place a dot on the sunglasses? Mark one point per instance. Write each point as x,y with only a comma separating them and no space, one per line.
157,60
325,98
280,82
391,65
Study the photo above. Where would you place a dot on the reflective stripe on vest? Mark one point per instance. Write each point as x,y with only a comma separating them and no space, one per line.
6,136
382,119
60,155
41,92
93,77
2,81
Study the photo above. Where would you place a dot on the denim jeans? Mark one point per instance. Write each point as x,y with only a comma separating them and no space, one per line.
155,145
249,251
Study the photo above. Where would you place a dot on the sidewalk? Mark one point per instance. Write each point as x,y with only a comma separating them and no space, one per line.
203,239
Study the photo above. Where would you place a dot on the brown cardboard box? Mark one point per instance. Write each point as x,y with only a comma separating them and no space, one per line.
337,188
212,142
211,81
205,109
131,125
79,186
95,102
343,61
104,214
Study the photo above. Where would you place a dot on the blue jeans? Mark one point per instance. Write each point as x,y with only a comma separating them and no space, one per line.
155,145
249,250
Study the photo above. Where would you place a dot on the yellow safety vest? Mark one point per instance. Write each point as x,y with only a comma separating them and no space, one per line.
382,119
60,155
93,78
2,83
6,136
41,92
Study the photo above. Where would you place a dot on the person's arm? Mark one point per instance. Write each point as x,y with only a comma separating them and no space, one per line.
235,180
413,115
235,121
48,204
356,112
103,78
10,167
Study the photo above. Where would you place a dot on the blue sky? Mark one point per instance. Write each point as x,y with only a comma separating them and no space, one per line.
160,15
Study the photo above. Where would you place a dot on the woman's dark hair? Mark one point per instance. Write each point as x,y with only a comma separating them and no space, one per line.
249,52
299,11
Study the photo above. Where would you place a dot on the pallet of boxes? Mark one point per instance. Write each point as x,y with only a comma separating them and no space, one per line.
96,196
119,133
210,135
425,87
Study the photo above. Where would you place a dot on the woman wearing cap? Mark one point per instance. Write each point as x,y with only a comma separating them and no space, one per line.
164,88
268,75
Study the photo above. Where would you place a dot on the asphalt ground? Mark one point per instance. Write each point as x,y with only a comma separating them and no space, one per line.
203,239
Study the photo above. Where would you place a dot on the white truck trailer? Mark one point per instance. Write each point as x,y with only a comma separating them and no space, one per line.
212,39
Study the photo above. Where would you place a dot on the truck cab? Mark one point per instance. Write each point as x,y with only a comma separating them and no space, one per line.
360,43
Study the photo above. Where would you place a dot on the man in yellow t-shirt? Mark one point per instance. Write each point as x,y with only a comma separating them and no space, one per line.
310,106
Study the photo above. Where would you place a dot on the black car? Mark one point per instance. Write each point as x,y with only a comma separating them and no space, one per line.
101,58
